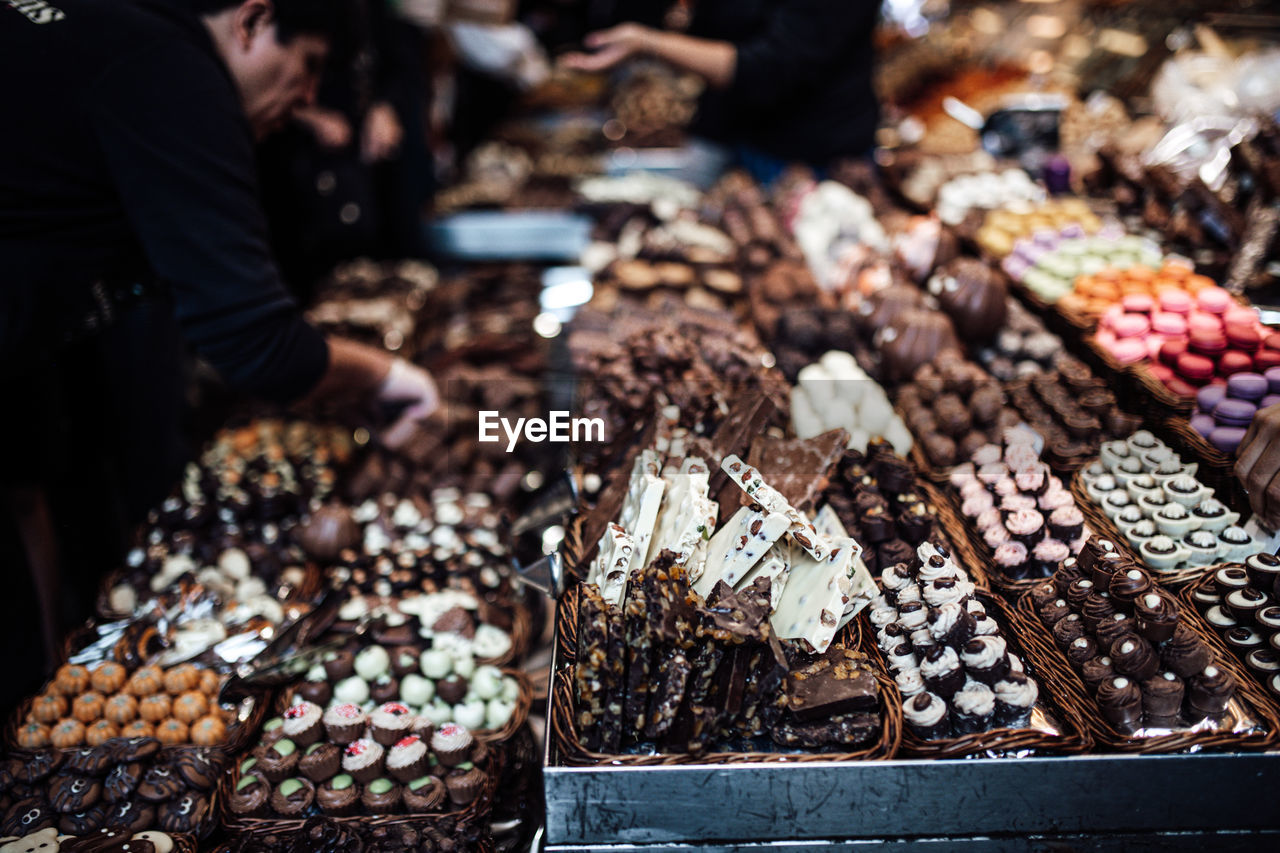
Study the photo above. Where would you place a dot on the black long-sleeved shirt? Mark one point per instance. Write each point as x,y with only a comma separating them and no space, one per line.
125,153
802,88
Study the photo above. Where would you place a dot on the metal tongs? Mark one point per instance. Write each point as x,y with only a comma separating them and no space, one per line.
534,538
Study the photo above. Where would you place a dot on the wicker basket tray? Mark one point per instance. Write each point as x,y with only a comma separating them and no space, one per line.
1042,647
1187,596
1174,404
524,703
1074,737
1099,523
250,716
925,469
565,731
474,812
483,843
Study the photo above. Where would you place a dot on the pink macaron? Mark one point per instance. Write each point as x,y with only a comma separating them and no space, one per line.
1237,313
1137,303
1131,325
1175,301
1109,317
1203,322
1215,300
1166,323
1128,350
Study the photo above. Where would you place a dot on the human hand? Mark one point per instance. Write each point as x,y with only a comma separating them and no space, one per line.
382,133
330,127
1258,466
407,383
611,47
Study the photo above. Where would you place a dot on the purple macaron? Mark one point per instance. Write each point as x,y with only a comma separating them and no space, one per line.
1247,386
1273,379
1203,424
1227,439
1208,397
1269,401
1234,413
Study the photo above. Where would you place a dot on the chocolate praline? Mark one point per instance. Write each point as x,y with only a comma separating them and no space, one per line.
1243,639
1244,604
1230,578
1054,612
1067,630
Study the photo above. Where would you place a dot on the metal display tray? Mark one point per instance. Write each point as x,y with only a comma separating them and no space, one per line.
528,235
1124,802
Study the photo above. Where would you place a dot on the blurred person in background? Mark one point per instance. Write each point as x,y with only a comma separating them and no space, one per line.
787,80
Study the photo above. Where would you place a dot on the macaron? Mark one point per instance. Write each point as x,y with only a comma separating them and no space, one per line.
1196,283
1234,413
1208,343
1227,439
1203,424
1269,401
1177,385
1265,359
1273,379
1233,361
1137,303
1272,341
1110,316
1248,386
1128,350
1170,350
1131,325
1174,301
1243,337
1202,321
1237,313
1208,398
1213,299
1194,368
1168,324
1160,371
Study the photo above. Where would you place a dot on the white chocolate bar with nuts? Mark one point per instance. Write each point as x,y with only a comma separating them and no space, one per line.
687,518
776,566
814,599
739,545
802,530
611,566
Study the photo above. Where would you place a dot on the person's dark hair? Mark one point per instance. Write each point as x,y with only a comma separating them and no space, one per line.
292,17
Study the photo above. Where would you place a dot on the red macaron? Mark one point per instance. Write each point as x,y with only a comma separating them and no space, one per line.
1170,350
1195,369
1234,361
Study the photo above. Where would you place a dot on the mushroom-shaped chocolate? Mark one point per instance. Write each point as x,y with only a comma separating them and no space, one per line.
973,295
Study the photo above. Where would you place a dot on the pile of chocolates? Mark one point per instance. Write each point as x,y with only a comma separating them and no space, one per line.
1169,517
442,684
1224,412
1240,604
954,407
345,761
83,706
879,502
123,785
1022,511
377,304
952,666
441,835
1125,637
103,841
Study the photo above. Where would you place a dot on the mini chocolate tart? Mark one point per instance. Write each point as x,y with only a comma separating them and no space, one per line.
1263,569
1244,604
1269,617
1219,618
1206,597
1243,639
1230,578
1265,662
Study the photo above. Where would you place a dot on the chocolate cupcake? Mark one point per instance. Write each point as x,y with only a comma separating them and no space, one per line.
901,657
973,708
278,761
927,716
464,783
1095,670
293,796
1162,696
272,731
1134,657
1127,586
951,624
424,794
1185,654
381,796
941,671
1015,697
1155,616
363,760
1082,650
985,659
390,722
923,643
344,723
302,723
1121,702
338,796
452,744
250,796
1209,691
1067,630
1054,612
320,761
407,759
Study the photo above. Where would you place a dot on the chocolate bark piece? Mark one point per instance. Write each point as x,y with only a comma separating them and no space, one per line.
856,729
614,680
800,469
591,665
690,730
639,648
761,702
664,701
837,683
747,418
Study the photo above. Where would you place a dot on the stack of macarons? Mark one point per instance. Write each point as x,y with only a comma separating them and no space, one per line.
1003,228
1225,410
1049,264
1094,292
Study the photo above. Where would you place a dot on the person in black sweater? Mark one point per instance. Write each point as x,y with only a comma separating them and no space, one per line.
790,79
130,223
